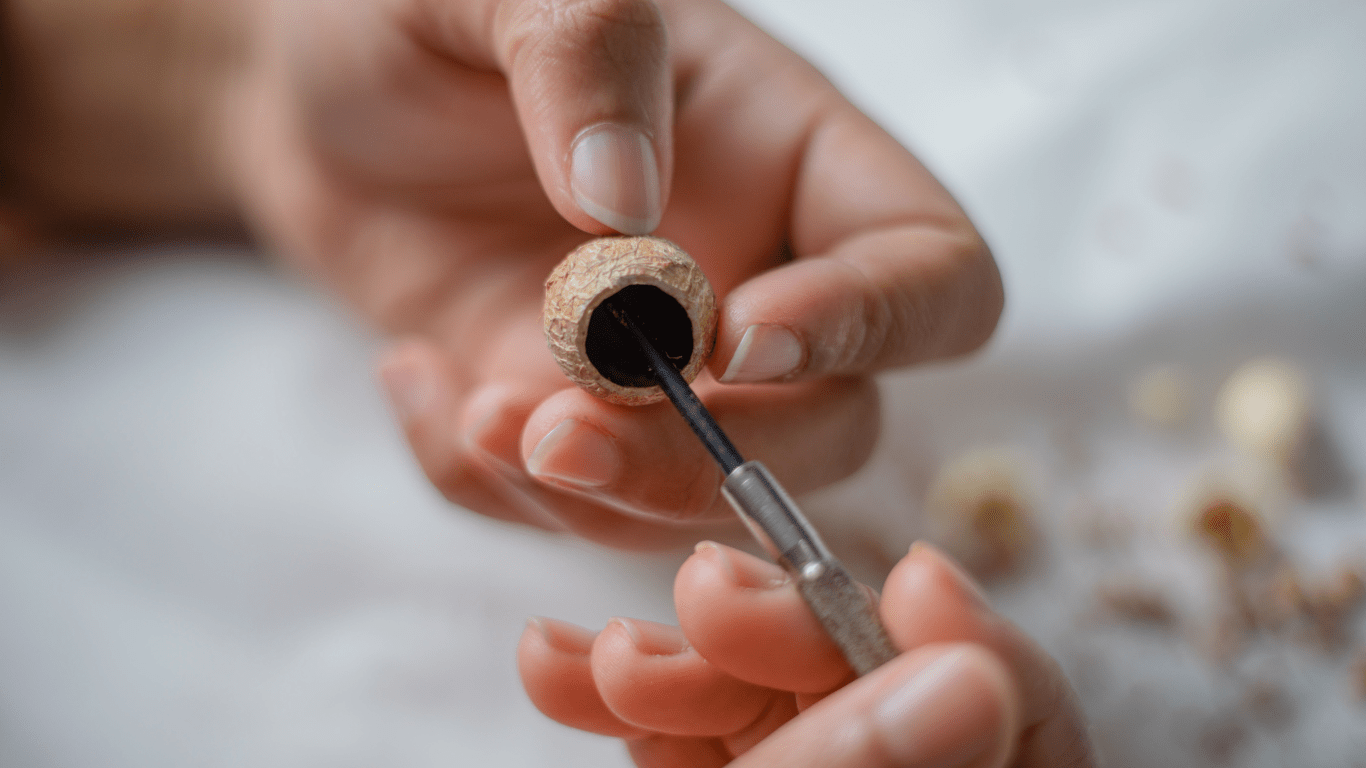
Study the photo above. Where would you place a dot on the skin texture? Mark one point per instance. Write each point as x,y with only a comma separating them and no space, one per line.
416,155
423,159
750,678
426,160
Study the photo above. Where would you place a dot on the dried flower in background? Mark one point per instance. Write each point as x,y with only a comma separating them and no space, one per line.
980,512
1230,527
1137,602
1269,704
1161,396
1266,409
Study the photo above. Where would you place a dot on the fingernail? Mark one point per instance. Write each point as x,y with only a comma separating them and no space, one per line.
615,179
934,719
576,454
744,570
410,385
961,577
652,638
766,352
563,636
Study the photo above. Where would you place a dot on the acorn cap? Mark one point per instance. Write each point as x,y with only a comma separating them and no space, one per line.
652,280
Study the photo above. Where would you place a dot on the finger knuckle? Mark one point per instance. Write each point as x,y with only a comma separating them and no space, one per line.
874,312
618,31
948,305
641,15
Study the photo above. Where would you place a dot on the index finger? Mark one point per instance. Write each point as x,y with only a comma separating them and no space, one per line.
888,270
883,267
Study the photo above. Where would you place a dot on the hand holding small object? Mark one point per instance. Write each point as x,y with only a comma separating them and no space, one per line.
751,679
631,319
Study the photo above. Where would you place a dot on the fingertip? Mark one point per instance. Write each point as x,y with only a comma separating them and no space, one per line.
575,454
535,627
952,705
648,674
897,294
802,319
942,704
650,638
614,178
599,126
565,404
553,660
746,617
945,568
733,568
765,352
566,445
642,461
926,571
559,636
991,298
546,642
927,599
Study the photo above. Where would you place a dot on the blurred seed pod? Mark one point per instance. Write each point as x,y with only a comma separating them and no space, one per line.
980,511
1267,411
1161,396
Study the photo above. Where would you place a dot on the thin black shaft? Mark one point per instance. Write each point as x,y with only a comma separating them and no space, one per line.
684,399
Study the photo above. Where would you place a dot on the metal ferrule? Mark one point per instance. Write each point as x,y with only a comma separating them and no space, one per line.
774,519
839,603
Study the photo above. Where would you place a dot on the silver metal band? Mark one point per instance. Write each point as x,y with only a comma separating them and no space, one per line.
839,603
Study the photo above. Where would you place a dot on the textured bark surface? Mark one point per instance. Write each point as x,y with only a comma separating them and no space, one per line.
599,268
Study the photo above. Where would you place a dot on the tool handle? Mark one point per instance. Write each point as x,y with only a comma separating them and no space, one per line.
850,616
839,603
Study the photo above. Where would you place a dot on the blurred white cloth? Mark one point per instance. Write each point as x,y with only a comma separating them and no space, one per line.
216,551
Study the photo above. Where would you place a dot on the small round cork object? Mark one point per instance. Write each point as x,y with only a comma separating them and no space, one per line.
654,282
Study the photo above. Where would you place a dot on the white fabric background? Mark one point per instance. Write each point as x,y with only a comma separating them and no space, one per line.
215,550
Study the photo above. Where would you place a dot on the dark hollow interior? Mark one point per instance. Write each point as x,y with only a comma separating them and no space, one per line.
613,350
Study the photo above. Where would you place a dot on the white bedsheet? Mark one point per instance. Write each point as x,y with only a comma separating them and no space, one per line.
215,550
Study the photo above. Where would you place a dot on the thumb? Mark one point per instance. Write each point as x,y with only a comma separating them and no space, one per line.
590,80
939,705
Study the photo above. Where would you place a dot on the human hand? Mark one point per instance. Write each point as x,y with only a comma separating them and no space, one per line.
751,678
433,159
